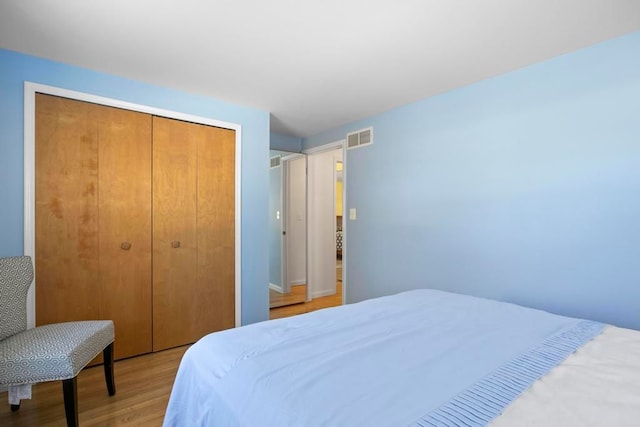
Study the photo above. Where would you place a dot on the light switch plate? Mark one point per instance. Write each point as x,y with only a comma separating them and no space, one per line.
352,213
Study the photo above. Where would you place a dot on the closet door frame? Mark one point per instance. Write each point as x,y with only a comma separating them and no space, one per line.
30,90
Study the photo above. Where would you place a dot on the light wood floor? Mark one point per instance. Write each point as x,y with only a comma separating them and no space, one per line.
143,386
306,307
297,295
315,304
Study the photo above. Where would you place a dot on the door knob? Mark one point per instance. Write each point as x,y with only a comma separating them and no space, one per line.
175,244
125,246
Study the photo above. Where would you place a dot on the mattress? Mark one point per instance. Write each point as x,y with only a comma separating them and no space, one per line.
421,358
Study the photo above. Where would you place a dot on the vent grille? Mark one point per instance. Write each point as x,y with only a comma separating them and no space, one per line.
353,140
360,138
274,162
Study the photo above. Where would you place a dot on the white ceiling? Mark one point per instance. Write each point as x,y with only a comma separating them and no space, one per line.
312,65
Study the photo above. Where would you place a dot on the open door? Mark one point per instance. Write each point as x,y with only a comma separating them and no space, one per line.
288,230
294,206
322,222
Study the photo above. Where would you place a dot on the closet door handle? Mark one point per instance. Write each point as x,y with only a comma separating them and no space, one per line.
175,244
125,246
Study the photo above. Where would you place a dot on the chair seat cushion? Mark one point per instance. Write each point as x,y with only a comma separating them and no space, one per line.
52,352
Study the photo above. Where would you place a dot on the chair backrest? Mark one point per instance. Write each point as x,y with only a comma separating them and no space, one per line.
16,275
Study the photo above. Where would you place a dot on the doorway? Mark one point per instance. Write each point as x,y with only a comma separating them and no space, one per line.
325,246
288,219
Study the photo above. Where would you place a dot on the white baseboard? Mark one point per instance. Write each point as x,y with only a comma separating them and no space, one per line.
298,282
323,293
276,288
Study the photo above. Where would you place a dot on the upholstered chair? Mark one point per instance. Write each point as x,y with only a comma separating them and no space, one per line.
46,353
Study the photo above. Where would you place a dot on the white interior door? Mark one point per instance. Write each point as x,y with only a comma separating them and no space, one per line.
294,267
322,222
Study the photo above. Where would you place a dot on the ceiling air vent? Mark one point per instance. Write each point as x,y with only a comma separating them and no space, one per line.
275,162
360,138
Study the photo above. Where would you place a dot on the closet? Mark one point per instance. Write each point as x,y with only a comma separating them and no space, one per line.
134,222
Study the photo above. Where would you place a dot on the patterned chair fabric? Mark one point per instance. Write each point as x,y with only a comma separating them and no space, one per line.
46,353
16,275
52,352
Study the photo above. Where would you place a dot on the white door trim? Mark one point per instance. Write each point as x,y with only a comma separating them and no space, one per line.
327,147
30,90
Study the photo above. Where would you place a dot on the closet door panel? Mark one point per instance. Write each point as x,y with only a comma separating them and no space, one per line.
66,210
216,230
125,227
174,233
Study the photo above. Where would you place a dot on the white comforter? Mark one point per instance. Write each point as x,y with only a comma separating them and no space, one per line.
598,385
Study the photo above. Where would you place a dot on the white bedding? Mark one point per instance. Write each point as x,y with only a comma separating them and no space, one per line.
598,385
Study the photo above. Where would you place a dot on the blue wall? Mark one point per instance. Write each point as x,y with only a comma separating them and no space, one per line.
285,143
15,68
524,187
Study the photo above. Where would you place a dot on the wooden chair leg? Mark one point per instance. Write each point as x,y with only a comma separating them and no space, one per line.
70,393
107,354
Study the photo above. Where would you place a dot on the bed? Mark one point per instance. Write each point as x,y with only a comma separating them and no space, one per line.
417,358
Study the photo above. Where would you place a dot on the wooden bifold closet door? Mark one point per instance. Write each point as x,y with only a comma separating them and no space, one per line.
193,231
115,191
93,197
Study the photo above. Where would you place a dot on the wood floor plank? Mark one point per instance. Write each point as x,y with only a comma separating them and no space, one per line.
306,307
297,295
143,386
